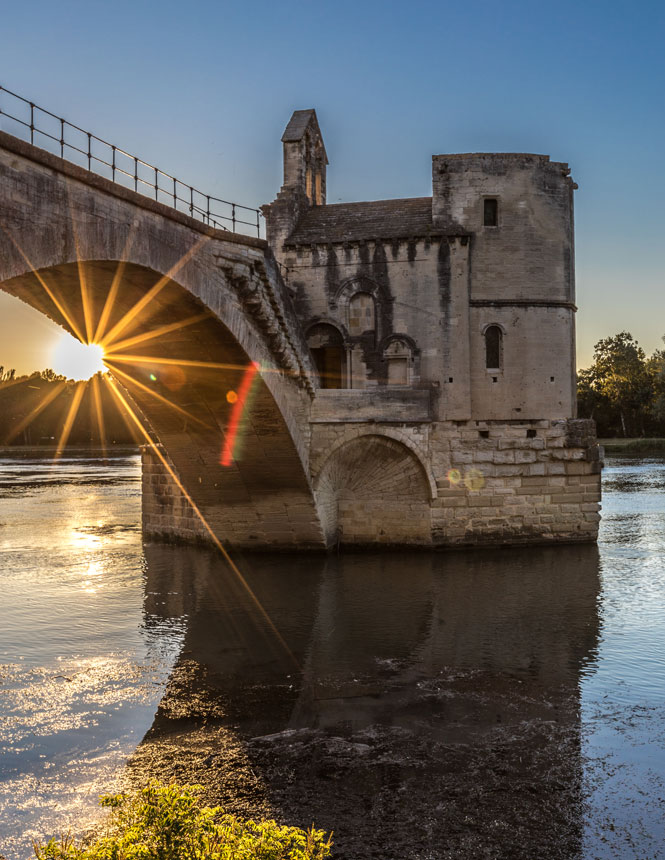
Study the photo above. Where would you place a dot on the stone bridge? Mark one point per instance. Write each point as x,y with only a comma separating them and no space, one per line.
188,312
392,393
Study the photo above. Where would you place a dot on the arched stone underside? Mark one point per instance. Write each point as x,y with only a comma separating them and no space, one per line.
374,490
212,297
262,497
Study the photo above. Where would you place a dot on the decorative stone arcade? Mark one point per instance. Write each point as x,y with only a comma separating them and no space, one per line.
409,381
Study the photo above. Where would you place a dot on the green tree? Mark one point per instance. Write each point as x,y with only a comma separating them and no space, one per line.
656,370
619,386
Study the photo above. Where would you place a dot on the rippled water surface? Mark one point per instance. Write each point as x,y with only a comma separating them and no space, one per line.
424,705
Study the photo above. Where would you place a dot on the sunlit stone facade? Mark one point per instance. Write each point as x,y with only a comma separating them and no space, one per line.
443,331
413,360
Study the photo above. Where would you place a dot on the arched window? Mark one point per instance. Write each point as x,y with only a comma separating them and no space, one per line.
361,314
398,358
493,347
327,347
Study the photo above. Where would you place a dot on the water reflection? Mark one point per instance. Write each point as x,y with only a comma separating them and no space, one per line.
423,706
79,679
416,700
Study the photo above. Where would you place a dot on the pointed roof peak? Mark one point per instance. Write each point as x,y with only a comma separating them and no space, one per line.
297,126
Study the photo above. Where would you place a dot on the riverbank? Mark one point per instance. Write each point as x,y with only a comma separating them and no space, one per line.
470,764
634,447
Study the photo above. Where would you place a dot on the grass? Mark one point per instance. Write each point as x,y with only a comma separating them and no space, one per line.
630,447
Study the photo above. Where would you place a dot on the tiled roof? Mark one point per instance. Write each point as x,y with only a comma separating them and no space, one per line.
377,219
297,124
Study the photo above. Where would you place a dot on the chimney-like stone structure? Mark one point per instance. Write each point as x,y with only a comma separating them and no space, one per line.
305,162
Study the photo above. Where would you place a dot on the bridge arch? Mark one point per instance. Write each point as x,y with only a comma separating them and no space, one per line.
97,258
373,488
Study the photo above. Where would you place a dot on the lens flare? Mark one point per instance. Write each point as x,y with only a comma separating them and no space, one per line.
454,476
77,360
474,480
237,413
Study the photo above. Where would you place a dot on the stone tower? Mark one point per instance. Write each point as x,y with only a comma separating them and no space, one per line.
443,331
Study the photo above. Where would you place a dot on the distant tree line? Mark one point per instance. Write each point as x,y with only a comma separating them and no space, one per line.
34,409
623,390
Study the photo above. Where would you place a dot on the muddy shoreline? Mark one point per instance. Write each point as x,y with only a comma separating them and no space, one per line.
473,765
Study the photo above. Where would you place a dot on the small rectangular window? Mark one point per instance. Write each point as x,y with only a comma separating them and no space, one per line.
491,212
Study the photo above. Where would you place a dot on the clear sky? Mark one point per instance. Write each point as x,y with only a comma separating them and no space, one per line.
204,89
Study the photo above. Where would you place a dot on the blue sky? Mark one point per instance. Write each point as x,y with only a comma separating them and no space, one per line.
204,90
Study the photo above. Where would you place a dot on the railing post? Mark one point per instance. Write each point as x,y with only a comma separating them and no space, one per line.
32,123
191,201
89,151
233,216
62,138
175,194
112,163
136,174
156,184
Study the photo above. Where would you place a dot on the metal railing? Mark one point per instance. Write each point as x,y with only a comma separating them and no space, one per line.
63,138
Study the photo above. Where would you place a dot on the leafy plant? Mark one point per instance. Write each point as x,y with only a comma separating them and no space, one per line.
166,822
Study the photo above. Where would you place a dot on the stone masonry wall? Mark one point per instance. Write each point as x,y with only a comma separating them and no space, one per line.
536,481
442,484
166,512
495,483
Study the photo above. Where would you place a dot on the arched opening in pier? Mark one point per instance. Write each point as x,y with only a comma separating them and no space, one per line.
374,490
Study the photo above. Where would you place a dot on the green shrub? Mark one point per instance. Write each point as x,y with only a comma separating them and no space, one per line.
166,822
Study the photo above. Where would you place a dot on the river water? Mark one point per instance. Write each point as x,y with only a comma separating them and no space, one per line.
506,703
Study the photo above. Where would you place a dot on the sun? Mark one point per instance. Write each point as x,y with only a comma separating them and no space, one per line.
77,360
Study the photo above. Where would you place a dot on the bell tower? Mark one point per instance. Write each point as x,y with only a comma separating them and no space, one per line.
305,157
305,162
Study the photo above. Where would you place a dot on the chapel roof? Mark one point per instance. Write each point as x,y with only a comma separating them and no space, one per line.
300,121
404,218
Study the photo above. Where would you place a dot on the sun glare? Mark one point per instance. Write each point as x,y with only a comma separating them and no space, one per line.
77,360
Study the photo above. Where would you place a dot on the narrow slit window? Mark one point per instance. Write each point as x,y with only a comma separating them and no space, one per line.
491,212
493,347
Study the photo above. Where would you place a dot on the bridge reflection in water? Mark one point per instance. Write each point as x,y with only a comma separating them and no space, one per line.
419,705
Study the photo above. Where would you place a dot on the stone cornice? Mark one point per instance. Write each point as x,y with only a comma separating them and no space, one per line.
521,303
